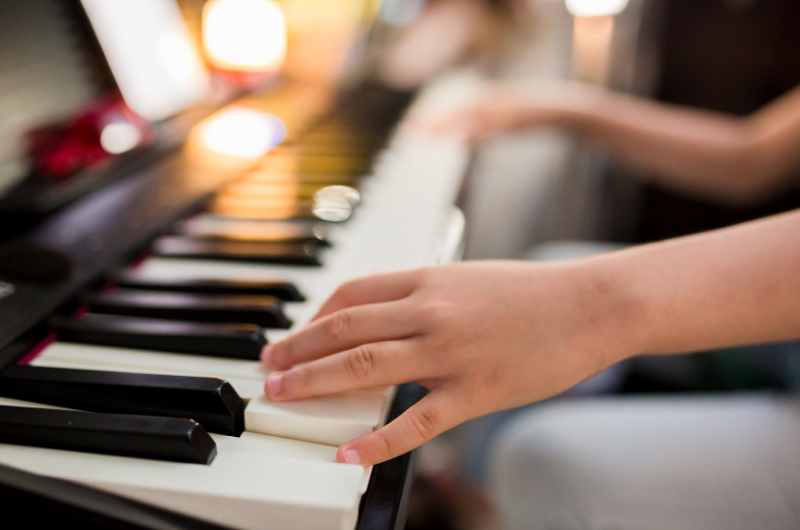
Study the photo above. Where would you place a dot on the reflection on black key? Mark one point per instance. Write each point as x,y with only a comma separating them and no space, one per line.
171,439
264,311
211,402
261,252
257,231
282,290
231,341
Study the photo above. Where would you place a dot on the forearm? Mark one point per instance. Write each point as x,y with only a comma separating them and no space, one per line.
693,151
725,288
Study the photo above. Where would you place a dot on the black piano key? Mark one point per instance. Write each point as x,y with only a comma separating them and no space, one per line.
171,439
264,232
231,341
281,290
288,253
342,165
211,402
264,311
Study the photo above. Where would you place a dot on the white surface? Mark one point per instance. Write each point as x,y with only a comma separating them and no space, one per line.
240,489
151,54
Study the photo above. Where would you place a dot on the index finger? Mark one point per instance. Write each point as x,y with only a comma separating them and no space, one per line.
437,412
369,290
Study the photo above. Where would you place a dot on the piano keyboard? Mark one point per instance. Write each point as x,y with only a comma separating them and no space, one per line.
280,472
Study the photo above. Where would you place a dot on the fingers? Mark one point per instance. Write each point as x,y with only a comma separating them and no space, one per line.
437,412
373,365
467,124
370,290
342,330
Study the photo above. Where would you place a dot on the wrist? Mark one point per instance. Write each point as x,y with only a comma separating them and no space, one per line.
575,107
614,308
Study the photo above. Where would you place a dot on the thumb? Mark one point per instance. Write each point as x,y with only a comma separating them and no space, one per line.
434,414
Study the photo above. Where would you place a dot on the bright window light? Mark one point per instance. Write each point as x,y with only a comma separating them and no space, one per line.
244,35
150,52
242,133
596,8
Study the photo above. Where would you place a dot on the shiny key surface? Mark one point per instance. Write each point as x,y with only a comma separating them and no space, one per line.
209,401
286,291
290,253
171,439
210,226
231,341
264,311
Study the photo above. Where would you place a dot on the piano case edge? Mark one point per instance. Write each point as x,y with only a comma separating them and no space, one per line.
384,506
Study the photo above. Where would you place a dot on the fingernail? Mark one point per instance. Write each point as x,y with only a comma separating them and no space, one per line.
274,384
266,355
351,456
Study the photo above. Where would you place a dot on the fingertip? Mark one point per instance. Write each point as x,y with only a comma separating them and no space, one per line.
267,356
347,454
273,386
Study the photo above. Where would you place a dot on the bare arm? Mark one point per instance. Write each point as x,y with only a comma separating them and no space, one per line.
698,152
496,335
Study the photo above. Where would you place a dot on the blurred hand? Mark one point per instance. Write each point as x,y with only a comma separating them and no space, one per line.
482,336
501,109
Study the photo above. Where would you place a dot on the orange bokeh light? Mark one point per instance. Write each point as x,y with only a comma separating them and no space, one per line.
245,35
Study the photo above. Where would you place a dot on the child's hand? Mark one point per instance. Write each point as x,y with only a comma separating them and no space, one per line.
482,336
502,109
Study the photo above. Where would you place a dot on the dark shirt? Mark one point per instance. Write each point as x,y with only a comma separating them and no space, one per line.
731,56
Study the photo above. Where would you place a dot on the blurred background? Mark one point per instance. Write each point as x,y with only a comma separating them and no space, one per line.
70,121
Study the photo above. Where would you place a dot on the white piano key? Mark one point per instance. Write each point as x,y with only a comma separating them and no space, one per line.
331,420
197,365
8,402
242,490
260,444
248,443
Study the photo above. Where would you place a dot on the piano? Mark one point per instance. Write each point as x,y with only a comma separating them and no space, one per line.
137,294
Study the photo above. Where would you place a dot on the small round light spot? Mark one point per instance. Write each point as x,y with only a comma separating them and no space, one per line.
120,137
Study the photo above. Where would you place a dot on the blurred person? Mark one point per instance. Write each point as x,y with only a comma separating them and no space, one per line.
728,72
445,33
700,153
451,32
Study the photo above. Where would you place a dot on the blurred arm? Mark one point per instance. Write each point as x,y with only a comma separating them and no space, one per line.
697,152
691,150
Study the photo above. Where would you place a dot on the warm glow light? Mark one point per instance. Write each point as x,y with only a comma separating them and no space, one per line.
245,35
119,137
596,8
242,133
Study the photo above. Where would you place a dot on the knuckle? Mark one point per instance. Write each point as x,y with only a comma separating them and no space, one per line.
382,442
282,353
424,423
434,313
303,377
361,362
342,293
424,275
339,324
